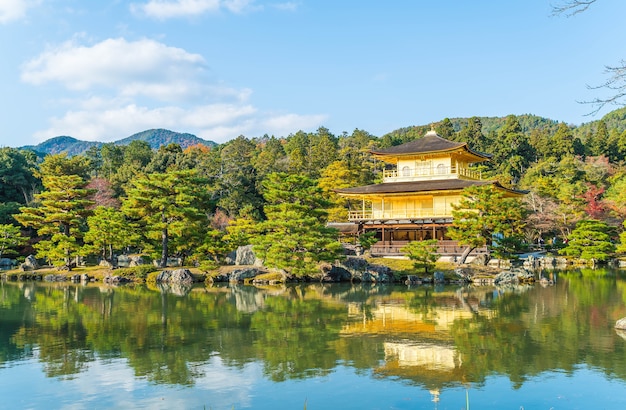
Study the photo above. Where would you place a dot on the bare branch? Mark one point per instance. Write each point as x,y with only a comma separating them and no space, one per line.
571,7
616,83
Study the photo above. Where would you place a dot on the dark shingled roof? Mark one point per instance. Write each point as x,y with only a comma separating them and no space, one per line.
431,142
420,186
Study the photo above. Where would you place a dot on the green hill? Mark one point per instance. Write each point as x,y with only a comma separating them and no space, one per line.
156,138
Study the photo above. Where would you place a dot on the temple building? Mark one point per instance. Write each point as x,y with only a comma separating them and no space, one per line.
414,201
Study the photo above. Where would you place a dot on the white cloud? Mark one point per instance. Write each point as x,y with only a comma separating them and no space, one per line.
120,87
11,10
143,67
217,122
287,6
165,9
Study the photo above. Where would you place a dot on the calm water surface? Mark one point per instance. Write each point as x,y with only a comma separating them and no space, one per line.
321,346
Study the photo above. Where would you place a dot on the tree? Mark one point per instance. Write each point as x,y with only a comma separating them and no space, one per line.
423,253
622,240
60,216
10,238
335,176
237,181
109,231
484,216
17,175
511,149
171,207
295,237
591,240
445,129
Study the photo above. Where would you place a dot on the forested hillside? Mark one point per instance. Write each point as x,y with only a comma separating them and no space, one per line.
201,201
155,139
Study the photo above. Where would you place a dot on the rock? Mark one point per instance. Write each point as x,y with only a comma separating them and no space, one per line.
230,258
55,278
175,276
361,271
246,256
115,280
6,262
438,277
138,260
464,273
122,261
374,274
30,263
621,324
105,264
240,275
481,259
515,275
332,273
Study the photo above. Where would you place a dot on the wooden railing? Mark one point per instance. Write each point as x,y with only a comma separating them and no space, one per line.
412,174
444,248
369,214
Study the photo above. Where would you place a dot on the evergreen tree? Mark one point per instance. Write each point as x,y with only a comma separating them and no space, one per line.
335,176
591,241
295,237
171,207
108,231
445,129
484,216
10,238
237,182
422,253
60,216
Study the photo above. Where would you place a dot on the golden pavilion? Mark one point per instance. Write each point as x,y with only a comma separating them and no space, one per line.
414,201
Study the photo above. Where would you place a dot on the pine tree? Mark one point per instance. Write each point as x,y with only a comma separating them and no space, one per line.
295,237
109,231
10,238
483,217
591,241
171,207
60,217
423,253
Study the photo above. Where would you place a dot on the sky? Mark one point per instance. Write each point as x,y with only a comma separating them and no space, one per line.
102,70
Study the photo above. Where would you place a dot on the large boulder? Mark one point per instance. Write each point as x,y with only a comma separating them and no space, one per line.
362,271
175,276
30,263
240,275
514,276
138,260
621,324
246,256
480,259
6,262
332,273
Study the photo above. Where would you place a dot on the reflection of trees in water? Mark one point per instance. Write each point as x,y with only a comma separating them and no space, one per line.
431,338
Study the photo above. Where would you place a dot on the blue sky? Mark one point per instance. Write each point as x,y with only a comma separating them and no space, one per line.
103,70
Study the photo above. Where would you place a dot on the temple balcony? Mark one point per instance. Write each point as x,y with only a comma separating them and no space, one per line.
443,248
369,214
407,174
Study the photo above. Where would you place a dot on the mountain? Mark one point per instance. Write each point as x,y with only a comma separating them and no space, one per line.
159,137
614,120
67,144
156,138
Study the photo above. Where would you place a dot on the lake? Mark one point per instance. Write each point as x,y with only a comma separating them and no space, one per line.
315,346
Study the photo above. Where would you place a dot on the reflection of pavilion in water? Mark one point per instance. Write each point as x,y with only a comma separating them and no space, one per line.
418,345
